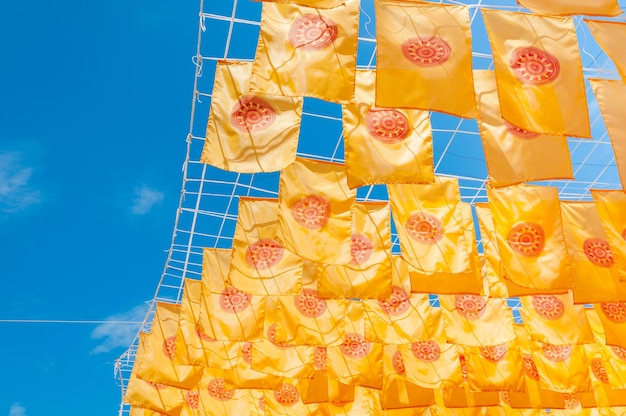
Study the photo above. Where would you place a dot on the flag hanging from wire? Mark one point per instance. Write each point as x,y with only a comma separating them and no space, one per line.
571,7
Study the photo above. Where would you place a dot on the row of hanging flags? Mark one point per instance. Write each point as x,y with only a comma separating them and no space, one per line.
310,312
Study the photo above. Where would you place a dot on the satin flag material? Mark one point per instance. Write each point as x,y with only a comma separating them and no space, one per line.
608,35
215,266
215,398
562,368
249,132
368,275
285,400
494,367
385,145
514,155
539,72
613,317
315,211
188,343
398,393
319,4
570,7
608,93
432,364
260,265
528,226
317,44
611,207
423,52
245,377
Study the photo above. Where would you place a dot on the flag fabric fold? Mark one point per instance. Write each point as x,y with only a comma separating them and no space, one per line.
571,7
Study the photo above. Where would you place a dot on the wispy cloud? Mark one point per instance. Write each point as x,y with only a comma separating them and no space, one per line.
16,192
17,410
115,335
145,199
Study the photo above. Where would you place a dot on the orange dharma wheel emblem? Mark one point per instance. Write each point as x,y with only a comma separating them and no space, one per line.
169,347
527,239
234,300
424,228
320,358
388,126
519,132
548,306
556,353
360,249
354,346
620,352
571,401
598,252
494,352
217,390
271,336
470,306
534,66
264,253
246,352
615,311
287,395
312,32
398,302
309,304
252,114
426,51
192,399
312,211
597,366
529,367
426,350
398,363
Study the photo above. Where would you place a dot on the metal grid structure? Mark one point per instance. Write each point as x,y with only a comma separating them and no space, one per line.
207,212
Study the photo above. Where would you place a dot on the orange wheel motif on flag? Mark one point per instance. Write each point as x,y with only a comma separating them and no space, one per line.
529,367
619,351
320,358
217,390
424,228
470,306
246,352
426,350
169,347
360,249
533,66
271,336
157,386
398,302
557,353
527,239
264,253
426,50
463,366
519,132
598,252
387,126
252,114
548,306
597,366
309,304
192,399
354,346
571,401
494,353
262,404
287,395
233,300
398,363
311,211
505,398
615,311
311,32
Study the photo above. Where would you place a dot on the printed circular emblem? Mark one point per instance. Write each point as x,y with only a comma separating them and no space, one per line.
556,353
262,404
287,395
360,249
398,363
311,32
615,311
424,228
597,366
548,306
519,132
426,350
619,351
309,304
387,126
271,336
463,366
246,352
505,398
319,358
529,367
527,239
533,66
233,300
192,399
252,114
426,50
398,302
470,306
264,253
598,252
494,353
169,347
354,346
218,390
157,386
311,211
571,401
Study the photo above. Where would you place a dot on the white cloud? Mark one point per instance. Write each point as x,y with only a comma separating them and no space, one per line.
115,335
16,192
145,199
17,410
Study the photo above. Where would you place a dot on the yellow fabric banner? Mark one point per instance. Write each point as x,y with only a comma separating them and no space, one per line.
514,155
243,376
528,226
317,44
188,343
424,52
562,368
368,275
613,317
611,207
315,211
260,265
397,392
215,398
319,4
385,145
494,367
539,72
215,265
491,268
249,132
285,400
270,357
432,364
571,7
356,361
608,35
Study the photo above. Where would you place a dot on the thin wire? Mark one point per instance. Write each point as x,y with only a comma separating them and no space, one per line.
66,321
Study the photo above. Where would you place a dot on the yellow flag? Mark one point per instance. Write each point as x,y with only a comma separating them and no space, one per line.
528,226
613,317
319,4
249,132
432,364
397,392
356,361
608,93
424,52
494,367
368,275
514,155
285,400
385,145
570,7
243,376
555,319
611,206
539,72
260,265
608,34
318,44
188,343
215,265
563,368
215,398
321,389
315,211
